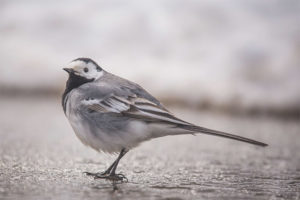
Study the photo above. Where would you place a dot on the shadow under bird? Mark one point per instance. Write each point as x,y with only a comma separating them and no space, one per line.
113,115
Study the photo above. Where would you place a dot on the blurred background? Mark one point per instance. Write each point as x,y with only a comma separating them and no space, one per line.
233,56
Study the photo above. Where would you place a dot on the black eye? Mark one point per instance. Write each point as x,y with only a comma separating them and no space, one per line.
86,69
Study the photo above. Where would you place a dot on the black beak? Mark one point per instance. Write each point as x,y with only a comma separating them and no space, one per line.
69,70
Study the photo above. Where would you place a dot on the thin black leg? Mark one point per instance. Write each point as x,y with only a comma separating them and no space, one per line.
110,173
122,153
110,167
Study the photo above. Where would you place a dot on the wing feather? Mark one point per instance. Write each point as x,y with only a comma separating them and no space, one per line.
133,106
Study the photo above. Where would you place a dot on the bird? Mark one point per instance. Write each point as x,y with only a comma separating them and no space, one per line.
113,115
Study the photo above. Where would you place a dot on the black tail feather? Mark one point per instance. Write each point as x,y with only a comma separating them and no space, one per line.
199,129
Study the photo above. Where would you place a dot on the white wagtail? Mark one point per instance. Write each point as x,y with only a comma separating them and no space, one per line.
114,115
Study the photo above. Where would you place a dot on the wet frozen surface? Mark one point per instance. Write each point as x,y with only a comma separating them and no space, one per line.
40,158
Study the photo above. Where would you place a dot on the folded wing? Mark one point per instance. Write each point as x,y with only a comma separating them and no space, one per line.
150,112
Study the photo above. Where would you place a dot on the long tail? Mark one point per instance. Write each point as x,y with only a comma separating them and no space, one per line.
199,129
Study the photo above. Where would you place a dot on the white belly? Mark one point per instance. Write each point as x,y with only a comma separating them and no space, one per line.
106,141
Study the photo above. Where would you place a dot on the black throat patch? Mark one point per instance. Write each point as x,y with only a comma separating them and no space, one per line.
73,82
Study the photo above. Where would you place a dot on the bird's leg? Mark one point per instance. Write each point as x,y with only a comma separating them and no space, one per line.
107,171
109,168
110,173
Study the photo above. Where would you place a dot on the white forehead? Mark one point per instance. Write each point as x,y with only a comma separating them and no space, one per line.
78,64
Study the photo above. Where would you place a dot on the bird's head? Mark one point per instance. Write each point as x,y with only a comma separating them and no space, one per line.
84,68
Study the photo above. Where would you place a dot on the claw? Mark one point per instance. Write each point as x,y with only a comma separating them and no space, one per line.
95,174
112,177
89,173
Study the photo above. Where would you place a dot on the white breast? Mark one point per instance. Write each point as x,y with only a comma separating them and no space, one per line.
109,142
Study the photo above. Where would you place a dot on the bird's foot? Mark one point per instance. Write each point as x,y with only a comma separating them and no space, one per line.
109,176
113,177
96,174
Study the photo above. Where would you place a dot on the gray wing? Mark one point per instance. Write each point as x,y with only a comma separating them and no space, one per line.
110,84
131,106
115,95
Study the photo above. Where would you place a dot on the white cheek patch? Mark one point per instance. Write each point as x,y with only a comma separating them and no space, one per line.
99,74
93,73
